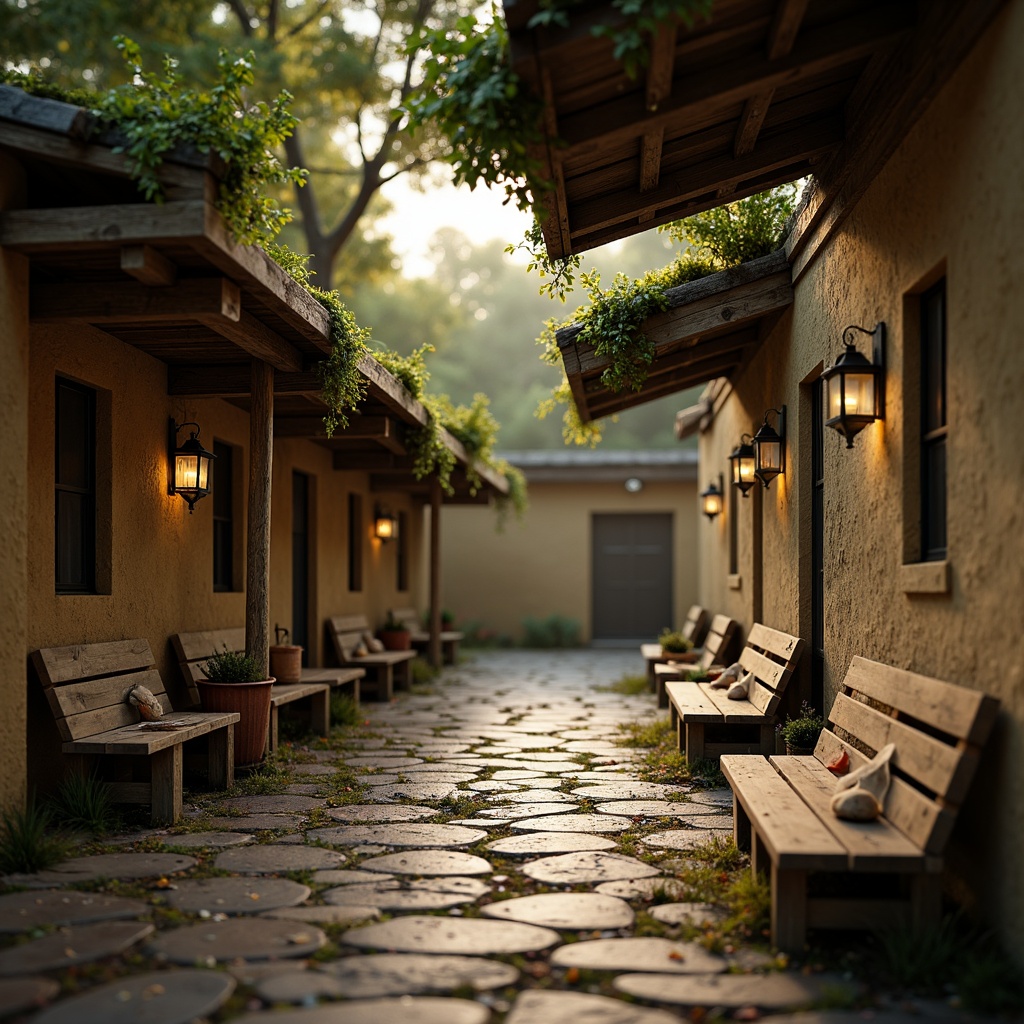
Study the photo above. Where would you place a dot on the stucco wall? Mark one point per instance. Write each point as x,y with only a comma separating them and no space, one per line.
541,565
156,560
14,466
948,202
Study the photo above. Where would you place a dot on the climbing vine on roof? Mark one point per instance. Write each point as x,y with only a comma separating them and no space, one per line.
613,319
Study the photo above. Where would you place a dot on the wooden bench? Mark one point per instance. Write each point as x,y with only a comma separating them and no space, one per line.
736,726
782,811
86,685
450,638
387,668
717,644
193,649
694,628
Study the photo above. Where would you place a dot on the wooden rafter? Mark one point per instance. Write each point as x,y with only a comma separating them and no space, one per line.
148,265
659,87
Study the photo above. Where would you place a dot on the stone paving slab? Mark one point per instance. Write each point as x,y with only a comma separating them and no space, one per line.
650,809
259,938
272,803
272,857
639,954
418,894
718,797
534,843
531,796
23,911
469,936
365,813
20,994
696,915
564,910
436,863
490,786
535,811
765,991
412,791
536,1006
407,1010
255,822
209,840
573,823
644,888
236,895
299,986
392,974
626,789
679,838
81,944
517,774
104,865
584,867
346,876
412,835
387,763
347,915
155,997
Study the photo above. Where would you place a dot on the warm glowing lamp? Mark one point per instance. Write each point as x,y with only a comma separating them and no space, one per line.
711,499
854,386
742,462
770,448
190,466
385,525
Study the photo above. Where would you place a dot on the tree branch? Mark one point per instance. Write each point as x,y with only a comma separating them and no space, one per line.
243,15
272,9
305,196
306,22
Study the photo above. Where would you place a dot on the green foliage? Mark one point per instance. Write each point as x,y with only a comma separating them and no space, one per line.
393,625
411,370
158,114
267,778
516,500
631,685
27,842
472,95
342,386
344,710
673,641
561,270
658,733
232,667
802,731
698,675
574,430
554,631
84,802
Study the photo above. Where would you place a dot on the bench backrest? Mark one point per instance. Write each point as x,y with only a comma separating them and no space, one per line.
772,656
408,618
347,634
716,643
193,650
695,627
938,728
86,684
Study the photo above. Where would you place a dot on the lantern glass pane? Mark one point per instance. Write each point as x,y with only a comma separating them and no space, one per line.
186,472
746,470
384,528
834,399
860,394
770,455
204,472
712,504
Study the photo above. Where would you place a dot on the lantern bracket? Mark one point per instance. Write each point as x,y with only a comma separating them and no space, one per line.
877,335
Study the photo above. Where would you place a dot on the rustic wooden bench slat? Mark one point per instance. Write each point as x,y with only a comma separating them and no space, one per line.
193,650
86,685
937,728
450,638
717,642
387,667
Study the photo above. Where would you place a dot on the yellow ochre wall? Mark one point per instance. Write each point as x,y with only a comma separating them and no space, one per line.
541,565
155,561
948,202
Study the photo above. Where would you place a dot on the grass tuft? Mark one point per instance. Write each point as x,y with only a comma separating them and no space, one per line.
344,710
84,802
27,842
630,685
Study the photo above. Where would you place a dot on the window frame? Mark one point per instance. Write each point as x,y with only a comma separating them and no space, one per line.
87,523
934,426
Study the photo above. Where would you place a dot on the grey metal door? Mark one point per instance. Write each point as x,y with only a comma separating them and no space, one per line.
632,575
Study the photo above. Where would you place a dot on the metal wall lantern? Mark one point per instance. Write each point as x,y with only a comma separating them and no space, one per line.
742,462
711,499
190,466
385,525
770,448
855,387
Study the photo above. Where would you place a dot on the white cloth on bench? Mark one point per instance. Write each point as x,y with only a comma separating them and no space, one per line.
860,795
740,690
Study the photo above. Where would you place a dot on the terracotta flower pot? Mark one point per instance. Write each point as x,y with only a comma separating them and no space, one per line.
395,639
252,702
286,663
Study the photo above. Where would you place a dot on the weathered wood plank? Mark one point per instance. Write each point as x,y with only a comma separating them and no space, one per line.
650,160
774,641
692,705
75,698
204,643
40,112
261,465
662,63
166,767
148,265
131,739
55,665
257,340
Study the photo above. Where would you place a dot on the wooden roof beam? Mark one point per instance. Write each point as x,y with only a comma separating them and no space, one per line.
659,86
781,37
232,380
148,266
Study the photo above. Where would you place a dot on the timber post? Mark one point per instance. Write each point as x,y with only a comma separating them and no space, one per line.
435,573
257,563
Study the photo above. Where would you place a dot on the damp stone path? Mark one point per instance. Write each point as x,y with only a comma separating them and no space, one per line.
487,849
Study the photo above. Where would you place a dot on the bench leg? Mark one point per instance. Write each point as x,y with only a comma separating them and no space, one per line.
385,683
767,745
652,677
403,674
320,712
740,826
451,652
789,909
925,902
165,789
272,733
221,753
662,692
694,741
760,862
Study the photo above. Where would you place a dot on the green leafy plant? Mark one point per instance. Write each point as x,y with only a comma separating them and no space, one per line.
803,731
393,625
344,710
27,840
698,675
232,667
674,642
554,631
631,685
84,802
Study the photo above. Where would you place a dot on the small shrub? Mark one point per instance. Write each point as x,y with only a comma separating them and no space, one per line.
647,734
266,779
232,667
27,841
674,642
344,710
84,802
698,675
630,685
423,672
554,631
803,731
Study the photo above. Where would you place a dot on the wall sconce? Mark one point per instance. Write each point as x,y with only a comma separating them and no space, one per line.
190,465
742,462
854,387
634,485
770,448
385,525
711,498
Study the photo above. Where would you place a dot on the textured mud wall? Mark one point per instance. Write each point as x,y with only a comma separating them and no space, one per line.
949,202
541,565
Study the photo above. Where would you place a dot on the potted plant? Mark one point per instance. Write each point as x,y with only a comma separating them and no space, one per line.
801,734
675,646
285,658
395,635
235,682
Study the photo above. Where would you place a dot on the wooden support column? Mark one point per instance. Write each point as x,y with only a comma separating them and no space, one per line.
435,573
257,563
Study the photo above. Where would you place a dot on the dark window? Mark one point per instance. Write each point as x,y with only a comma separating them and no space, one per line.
403,552
934,427
818,543
223,517
355,542
75,484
